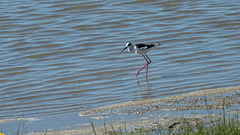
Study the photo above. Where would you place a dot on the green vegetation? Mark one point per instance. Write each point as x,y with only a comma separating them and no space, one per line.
219,126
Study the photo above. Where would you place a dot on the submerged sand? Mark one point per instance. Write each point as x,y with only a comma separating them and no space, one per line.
210,101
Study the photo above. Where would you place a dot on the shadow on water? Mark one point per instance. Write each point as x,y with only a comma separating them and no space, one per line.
144,85
176,75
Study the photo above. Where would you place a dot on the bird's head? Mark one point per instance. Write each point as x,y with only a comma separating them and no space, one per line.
127,45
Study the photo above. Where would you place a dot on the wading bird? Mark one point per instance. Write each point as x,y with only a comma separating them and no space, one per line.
140,49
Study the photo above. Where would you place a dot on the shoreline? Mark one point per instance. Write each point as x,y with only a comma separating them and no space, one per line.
163,112
197,96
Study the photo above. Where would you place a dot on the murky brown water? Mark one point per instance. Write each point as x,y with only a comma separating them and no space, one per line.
59,58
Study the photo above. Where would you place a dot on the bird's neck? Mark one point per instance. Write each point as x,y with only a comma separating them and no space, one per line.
131,49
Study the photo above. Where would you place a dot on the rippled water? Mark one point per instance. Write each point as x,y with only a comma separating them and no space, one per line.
59,58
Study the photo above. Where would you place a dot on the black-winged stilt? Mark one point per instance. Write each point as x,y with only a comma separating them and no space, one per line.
140,49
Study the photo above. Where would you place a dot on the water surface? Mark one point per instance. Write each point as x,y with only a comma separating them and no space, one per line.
60,58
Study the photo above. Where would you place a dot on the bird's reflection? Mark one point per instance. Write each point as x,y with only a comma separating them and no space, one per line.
148,85
145,91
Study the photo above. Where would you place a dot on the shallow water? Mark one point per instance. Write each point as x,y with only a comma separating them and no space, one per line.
60,58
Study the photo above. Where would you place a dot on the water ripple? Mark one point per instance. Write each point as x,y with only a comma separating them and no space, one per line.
61,58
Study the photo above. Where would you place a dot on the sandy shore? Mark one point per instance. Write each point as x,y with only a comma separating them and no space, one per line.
167,111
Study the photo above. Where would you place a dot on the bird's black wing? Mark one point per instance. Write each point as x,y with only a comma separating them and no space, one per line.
146,46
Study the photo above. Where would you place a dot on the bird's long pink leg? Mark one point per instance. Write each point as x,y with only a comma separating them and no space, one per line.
148,59
147,64
143,66
146,70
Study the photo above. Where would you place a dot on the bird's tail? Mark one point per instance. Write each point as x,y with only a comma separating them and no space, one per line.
157,45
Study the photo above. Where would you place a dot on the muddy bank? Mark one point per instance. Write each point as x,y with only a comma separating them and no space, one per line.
164,112
207,99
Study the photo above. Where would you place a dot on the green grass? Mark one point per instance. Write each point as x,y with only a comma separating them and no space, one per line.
221,126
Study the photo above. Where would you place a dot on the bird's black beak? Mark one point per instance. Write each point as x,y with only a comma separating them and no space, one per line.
123,49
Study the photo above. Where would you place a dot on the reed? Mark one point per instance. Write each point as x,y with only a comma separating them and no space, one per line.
224,125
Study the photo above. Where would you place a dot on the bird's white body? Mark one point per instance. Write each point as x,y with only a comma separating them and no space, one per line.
140,48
